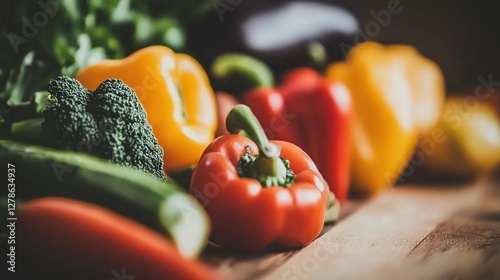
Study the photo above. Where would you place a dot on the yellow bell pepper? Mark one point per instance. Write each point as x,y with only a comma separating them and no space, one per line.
396,94
470,142
176,94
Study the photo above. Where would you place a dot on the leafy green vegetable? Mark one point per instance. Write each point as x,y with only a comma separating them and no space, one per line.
48,38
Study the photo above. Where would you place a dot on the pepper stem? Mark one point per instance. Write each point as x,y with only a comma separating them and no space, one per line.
267,167
241,118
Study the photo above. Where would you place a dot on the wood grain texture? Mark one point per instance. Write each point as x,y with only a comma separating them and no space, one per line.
467,245
237,265
410,232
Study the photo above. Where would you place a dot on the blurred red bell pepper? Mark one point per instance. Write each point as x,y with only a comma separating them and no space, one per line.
314,114
259,192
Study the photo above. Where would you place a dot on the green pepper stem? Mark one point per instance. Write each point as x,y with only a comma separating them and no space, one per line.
268,168
241,118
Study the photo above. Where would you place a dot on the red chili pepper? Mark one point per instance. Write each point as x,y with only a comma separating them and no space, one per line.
314,114
72,238
259,193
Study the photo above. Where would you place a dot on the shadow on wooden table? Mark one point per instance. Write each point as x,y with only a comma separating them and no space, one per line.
443,229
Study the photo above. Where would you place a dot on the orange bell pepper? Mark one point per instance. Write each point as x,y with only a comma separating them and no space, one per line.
397,94
176,94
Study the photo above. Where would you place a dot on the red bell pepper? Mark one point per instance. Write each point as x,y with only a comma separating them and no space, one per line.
314,114
258,193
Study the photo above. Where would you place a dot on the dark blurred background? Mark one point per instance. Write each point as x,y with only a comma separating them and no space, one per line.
462,36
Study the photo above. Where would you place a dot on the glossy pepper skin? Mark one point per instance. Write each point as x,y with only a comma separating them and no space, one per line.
249,215
396,94
176,94
314,114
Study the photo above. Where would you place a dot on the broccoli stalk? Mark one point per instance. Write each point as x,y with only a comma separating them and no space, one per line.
109,123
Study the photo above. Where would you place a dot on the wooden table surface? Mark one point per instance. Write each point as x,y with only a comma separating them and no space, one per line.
445,232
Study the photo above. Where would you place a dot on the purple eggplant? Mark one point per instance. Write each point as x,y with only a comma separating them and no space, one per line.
284,34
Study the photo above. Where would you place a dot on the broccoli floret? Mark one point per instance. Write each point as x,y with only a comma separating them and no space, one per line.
109,123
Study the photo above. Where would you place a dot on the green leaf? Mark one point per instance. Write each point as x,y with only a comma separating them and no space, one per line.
41,100
121,12
24,81
86,55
